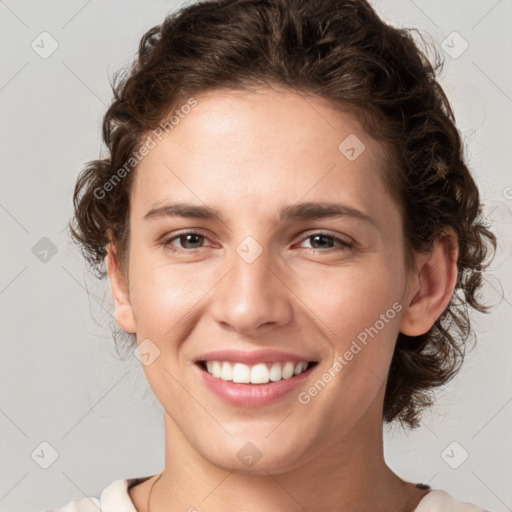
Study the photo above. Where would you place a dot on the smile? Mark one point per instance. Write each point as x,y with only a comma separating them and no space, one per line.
260,373
254,385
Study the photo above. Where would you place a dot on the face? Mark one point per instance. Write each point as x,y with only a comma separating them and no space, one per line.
286,248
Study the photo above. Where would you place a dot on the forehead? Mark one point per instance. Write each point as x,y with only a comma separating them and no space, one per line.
262,147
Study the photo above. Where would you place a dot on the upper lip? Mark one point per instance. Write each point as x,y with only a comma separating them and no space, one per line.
252,357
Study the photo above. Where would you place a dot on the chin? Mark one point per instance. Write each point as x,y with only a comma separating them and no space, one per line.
257,457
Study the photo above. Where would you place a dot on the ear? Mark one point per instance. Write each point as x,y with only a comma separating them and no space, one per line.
119,289
431,285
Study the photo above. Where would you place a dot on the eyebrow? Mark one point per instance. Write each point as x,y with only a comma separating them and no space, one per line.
301,211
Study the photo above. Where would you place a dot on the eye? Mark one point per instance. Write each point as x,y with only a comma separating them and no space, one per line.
190,240
327,241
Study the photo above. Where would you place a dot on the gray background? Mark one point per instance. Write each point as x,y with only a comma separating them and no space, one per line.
62,382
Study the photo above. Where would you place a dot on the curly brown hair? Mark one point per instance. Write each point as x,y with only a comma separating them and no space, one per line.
339,50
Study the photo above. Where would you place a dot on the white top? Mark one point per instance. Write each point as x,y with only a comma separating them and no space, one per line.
115,498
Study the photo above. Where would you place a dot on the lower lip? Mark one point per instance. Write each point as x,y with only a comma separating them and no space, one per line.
252,395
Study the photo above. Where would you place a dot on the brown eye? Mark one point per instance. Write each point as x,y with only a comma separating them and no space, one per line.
188,241
326,241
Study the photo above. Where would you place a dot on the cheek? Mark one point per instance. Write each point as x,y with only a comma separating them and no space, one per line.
161,296
358,308
350,297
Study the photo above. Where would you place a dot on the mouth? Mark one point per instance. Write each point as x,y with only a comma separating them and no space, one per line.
255,374
254,385
254,378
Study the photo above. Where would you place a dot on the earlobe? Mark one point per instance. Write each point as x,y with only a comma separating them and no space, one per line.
431,286
124,312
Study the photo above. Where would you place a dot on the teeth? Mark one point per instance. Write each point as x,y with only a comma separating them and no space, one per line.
288,370
260,373
275,372
227,371
241,373
299,368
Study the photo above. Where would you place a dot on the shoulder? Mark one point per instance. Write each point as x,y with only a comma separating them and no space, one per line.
438,500
114,498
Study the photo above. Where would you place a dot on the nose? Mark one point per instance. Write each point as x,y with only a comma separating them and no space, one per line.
252,296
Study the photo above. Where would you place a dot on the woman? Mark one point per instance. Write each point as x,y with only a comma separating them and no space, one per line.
292,238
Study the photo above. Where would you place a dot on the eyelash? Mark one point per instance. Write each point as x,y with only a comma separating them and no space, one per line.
342,244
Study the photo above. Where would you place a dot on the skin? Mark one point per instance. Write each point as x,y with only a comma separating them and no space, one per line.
247,155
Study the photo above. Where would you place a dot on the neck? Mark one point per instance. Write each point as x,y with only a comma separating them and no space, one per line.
349,476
